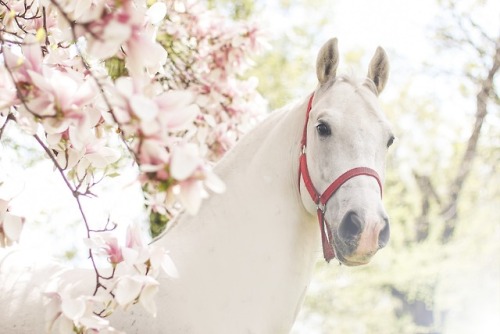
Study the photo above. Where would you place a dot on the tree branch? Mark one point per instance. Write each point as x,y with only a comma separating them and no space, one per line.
449,211
427,192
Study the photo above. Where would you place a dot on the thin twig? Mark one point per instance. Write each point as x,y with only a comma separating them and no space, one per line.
10,117
76,195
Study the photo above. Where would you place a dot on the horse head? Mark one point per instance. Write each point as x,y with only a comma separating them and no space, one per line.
346,137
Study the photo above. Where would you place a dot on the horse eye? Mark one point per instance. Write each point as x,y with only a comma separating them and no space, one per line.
323,129
390,141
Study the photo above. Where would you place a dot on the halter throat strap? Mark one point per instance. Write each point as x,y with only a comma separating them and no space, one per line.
321,199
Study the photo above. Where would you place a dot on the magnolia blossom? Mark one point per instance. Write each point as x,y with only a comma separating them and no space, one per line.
30,60
222,52
68,313
137,288
189,170
134,255
136,267
128,27
140,108
62,97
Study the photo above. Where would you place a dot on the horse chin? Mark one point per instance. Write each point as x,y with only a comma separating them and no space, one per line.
350,260
351,263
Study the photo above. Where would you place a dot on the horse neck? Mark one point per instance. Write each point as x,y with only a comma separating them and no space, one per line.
256,234
271,147
261,177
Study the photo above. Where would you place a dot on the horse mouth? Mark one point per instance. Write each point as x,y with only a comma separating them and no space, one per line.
350,262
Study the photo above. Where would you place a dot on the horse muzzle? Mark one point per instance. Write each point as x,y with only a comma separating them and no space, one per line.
359,236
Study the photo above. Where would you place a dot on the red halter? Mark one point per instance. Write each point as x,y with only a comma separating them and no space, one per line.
321,199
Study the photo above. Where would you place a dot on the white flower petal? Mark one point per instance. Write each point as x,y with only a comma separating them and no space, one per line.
147,297
103,157
80,136
185,161
53,139
111,40
94,322
157,12
127,290
74,309
161,259
214,183
169,267
130,255
73,157
191,194
12,226
82,167
125,86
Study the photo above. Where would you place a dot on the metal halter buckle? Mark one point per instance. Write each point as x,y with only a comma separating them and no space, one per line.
320,206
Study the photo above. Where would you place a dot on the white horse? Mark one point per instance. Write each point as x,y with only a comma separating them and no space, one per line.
246,259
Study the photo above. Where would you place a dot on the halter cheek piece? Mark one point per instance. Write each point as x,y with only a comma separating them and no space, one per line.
321,199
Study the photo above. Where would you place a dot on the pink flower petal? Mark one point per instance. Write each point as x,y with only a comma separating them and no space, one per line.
3,207
40,81
134,238
180,119
143,107
153,152
175,99
33,54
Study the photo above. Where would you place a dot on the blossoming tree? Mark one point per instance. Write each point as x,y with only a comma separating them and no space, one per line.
91,79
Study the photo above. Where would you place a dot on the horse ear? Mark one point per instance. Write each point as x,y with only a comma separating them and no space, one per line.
378,71
327,62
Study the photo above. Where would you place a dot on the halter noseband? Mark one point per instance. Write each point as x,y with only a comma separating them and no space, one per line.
321,199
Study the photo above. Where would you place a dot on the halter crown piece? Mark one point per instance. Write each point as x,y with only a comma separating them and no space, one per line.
321,199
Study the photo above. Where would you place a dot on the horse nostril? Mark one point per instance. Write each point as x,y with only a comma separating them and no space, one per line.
351,226
384,235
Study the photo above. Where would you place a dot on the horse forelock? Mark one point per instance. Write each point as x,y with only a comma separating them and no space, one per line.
363,87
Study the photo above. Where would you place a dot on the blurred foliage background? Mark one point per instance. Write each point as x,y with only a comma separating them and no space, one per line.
441,271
